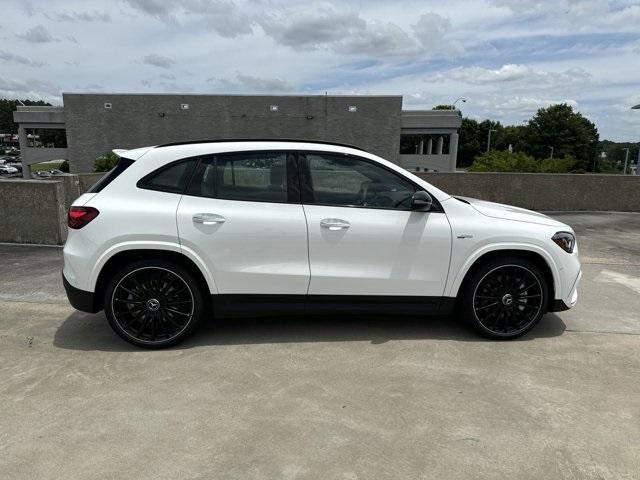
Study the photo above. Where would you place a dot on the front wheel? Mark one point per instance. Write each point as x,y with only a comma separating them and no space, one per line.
153,303
505,297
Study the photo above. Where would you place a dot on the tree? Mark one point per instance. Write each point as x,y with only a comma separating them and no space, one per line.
568,132
105,162
7,107
443,107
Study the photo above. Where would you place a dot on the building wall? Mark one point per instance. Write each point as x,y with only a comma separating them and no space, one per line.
136,120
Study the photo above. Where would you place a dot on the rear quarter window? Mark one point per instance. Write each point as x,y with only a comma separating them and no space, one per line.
111,175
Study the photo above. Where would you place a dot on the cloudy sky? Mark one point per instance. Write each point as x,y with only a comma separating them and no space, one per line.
507,57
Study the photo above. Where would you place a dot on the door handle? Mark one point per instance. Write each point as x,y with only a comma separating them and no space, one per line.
208,219
334,224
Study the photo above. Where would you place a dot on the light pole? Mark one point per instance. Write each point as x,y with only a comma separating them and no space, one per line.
453,105
637,107
626,160
489,139
551,155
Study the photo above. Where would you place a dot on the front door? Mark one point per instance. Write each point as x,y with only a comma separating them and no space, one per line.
363,237
242,215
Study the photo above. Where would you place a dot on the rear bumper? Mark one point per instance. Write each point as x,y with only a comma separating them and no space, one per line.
80,299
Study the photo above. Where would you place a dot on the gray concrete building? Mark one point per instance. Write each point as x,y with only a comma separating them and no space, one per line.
419,140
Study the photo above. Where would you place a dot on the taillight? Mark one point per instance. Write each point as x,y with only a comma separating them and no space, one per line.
78,217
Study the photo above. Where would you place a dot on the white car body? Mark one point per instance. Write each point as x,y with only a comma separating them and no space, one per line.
261,248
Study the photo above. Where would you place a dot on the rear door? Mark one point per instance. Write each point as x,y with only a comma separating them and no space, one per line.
242,215
363,237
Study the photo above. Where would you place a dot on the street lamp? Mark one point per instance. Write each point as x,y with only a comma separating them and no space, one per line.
453,105
551,155
637,107
626,160
489,139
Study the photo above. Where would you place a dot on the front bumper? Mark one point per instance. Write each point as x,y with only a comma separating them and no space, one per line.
560,305
80,299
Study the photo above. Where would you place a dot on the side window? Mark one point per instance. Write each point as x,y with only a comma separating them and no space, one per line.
255,177
348,181
172,178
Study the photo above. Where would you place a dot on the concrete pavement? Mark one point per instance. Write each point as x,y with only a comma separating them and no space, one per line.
346,398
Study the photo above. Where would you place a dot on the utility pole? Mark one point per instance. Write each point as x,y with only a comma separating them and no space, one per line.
626,160
489,139
551,157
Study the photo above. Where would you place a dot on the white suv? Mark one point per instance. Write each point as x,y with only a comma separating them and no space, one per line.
179,231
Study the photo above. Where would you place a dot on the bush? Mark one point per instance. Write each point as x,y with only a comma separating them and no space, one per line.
505,161
558,165
64,166
105,162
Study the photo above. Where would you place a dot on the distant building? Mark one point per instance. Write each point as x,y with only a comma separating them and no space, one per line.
418,140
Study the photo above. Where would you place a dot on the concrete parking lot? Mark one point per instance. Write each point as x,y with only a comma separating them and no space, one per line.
326,397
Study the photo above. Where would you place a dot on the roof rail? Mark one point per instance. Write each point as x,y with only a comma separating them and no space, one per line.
293,140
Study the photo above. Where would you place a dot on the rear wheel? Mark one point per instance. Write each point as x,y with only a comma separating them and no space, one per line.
505,298
153,303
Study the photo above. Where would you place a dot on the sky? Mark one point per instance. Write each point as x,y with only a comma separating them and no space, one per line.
506,57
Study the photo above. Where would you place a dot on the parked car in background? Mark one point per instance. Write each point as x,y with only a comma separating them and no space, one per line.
176,232
57,173
8,169
41,174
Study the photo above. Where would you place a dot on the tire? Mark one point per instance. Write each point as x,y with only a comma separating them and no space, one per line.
505,297
154,303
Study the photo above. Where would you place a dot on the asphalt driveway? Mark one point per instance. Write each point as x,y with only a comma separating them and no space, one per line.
326,397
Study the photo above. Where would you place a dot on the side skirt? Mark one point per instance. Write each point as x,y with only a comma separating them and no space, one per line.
245,305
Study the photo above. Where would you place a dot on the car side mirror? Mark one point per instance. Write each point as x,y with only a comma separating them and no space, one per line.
421,201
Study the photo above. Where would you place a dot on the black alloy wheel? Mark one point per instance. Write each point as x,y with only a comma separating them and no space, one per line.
153,305
505,299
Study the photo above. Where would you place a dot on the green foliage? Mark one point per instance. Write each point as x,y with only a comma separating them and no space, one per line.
64,166
7,107
52,137
567,131
505,161
565,164
443,107
105,162
558,126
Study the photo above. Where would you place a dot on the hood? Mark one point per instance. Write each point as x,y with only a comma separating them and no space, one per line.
507,212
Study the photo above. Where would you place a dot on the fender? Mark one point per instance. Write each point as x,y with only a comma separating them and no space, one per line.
150,245
453,285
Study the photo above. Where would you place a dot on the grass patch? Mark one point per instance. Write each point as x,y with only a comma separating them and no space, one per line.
38,167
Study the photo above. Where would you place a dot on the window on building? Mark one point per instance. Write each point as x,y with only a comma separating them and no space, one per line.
348,181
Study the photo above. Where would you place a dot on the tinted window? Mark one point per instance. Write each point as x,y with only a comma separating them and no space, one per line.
347,181
111,175
258,177
172,178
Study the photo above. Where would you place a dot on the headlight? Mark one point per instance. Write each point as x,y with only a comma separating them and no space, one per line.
565,241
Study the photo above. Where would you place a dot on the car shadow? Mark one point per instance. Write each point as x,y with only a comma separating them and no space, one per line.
81,331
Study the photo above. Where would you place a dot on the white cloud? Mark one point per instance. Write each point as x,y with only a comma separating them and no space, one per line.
158,60
12,57
37,34
251,84
514,73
